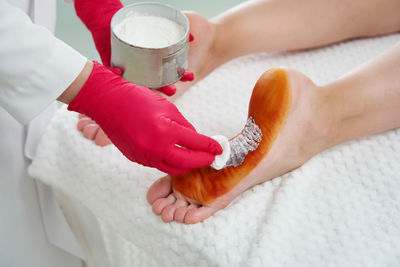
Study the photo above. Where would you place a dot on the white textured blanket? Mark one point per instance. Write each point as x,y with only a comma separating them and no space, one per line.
342,208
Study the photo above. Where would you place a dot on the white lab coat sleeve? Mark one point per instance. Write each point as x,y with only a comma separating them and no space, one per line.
35,66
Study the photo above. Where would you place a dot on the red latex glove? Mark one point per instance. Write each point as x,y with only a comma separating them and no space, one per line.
144,126
97,15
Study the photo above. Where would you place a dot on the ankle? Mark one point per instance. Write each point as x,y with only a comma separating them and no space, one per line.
210,57
321,126
334,114
221,50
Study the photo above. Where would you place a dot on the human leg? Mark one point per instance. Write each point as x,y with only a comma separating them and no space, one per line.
364,102
262,26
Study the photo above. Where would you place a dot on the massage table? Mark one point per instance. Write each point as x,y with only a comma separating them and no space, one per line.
341,208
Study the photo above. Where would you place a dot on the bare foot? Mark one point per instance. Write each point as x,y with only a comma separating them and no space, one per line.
294,119
201,63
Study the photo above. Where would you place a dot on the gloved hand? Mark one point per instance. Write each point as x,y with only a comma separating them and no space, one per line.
97,15
145,127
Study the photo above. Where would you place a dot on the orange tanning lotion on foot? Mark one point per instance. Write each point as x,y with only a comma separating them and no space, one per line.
268,109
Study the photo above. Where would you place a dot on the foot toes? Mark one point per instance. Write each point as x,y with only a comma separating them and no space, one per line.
169,212
83,122
197,215
159,189
101,139
161,203
90,131
181,209
180,213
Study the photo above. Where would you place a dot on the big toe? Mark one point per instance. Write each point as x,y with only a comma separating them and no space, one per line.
159,189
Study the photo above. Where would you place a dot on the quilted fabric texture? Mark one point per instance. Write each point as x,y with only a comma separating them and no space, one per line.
342,208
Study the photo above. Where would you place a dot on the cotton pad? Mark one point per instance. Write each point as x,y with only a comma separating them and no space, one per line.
220,160
236,150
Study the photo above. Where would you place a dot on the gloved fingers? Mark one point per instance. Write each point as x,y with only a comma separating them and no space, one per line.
165,167
188,76
193,140
105,55
116,71
188,159
168,90
183,122
97,15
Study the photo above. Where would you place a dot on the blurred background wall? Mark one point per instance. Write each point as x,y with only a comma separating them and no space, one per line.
71,30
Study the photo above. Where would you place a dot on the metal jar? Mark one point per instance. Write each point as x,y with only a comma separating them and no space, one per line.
150,67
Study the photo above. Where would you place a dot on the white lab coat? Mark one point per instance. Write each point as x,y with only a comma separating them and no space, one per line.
35,68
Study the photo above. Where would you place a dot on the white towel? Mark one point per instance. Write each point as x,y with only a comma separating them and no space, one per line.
342,208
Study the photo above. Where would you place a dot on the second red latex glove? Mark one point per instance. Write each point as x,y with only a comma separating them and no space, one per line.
145,127
97,15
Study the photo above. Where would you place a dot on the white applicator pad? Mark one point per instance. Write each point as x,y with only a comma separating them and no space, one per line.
220,160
